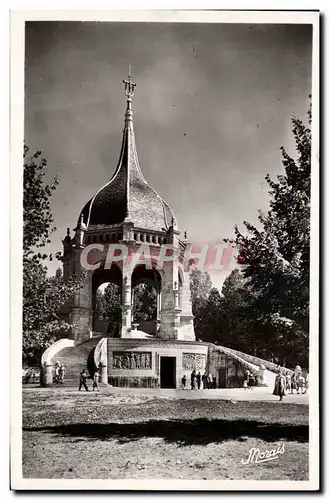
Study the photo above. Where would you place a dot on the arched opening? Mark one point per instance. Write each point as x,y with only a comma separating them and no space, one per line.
146,299
107,293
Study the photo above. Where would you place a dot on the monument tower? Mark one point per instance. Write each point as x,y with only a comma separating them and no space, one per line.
128,211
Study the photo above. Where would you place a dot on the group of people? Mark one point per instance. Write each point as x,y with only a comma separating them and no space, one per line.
59,373
250,380
30,376
83,380
285,382
198,381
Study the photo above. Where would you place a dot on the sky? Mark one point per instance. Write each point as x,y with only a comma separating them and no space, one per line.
212,106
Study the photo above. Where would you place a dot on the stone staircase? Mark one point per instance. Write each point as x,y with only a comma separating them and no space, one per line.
253,363
75,359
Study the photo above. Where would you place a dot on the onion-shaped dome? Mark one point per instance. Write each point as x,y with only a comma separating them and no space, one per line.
128,196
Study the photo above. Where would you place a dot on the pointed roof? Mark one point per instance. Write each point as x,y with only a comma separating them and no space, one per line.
128,196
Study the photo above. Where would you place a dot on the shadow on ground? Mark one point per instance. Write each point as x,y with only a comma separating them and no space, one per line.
184,432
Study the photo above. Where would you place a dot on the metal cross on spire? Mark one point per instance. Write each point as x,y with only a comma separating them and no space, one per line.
129,85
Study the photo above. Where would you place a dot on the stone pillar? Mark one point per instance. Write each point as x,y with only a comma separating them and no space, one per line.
103,372
169,314
186,331
46,375
126,303
158,305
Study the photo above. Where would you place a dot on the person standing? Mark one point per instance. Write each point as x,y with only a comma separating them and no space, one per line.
193,380
57,368
246,379
184,381
214,382
61,374
209,381
279,386
83,380
95,381
204,380
198,380
251,380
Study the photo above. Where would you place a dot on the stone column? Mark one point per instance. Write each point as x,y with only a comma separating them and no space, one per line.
158,305
46,375
103,372
169,316
126,303
186,317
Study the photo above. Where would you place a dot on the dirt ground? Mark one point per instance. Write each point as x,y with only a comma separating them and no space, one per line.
136,435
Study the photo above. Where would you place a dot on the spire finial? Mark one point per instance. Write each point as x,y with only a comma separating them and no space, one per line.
129,85
68,232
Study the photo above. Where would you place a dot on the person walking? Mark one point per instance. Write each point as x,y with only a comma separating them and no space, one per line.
95,381
204,380
193,380
279,386
57,368
61,374
184,381
214,382
83,380
198,380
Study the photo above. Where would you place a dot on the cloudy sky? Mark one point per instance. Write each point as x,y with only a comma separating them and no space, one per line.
212,107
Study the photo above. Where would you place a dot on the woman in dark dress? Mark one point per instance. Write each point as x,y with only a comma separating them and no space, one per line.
193,379
280,385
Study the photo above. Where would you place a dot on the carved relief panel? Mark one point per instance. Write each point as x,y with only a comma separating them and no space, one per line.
193,361
132,360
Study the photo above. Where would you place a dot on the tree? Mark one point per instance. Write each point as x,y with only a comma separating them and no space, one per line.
206,320
108,307
145,302
276,257
37,216
200,286
43,299
43,296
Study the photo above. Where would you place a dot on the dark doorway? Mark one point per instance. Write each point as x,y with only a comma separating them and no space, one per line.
222,378
167,372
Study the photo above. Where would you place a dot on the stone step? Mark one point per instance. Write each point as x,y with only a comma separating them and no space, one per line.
77,358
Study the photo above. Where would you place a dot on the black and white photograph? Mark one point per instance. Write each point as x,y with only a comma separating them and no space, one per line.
165,187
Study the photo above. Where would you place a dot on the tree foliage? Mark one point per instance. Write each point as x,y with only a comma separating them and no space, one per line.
37,216
108,308
276,257
200,286
43,296
145,302
263,308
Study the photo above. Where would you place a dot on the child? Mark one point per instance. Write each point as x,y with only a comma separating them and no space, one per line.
95,380
83,380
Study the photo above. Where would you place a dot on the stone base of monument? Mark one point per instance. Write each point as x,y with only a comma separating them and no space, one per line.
153,362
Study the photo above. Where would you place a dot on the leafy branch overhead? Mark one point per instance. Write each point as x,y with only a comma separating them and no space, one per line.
37,215
43,296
